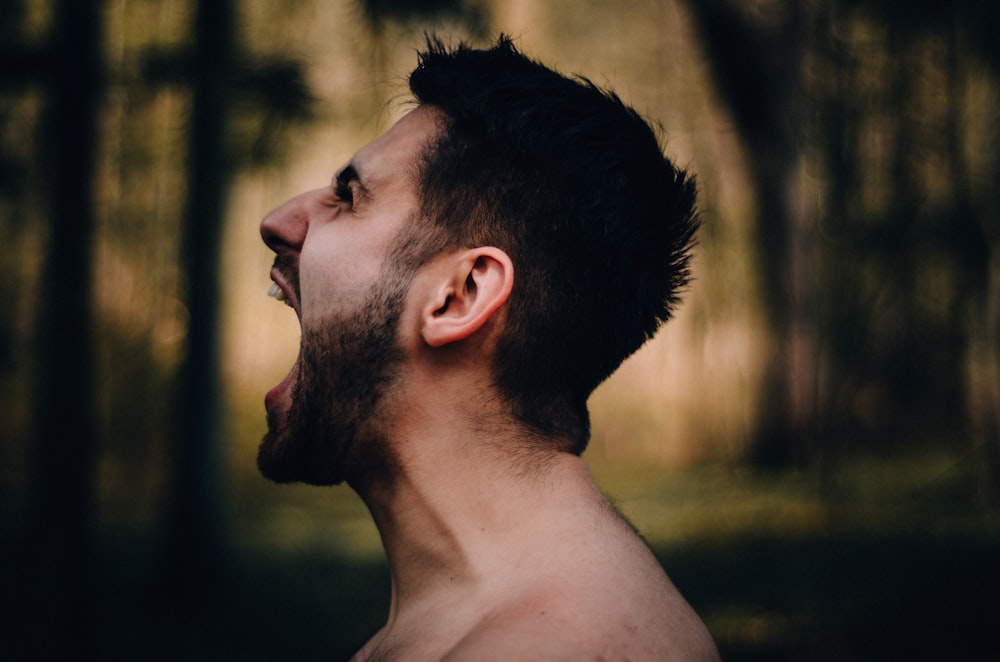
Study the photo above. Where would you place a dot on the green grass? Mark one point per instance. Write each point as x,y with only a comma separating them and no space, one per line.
873,559
878,558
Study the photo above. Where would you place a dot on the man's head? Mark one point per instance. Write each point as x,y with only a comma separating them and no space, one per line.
544,211
573,186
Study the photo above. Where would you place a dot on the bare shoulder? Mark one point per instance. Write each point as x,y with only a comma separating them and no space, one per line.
562,629
617,604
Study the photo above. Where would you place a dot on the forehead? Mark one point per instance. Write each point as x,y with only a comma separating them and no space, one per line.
397,152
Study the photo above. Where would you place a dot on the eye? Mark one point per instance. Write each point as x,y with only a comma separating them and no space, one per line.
344,193
347,186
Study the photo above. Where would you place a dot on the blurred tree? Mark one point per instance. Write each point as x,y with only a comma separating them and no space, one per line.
878,291
23,62
755,51
242,105
907,225
973,53
974,128
195,525
227,86
64,444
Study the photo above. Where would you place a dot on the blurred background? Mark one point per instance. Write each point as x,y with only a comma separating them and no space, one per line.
811,447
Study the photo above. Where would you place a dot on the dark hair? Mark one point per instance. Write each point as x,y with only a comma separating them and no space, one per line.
573,185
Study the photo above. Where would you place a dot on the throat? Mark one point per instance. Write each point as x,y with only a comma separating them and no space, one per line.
457,528
430,552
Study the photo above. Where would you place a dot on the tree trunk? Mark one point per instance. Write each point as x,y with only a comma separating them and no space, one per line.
63,449
195,525
756,72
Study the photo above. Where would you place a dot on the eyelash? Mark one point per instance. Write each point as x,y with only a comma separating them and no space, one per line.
344,193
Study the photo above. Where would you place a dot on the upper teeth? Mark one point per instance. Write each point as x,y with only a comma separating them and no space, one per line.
276,292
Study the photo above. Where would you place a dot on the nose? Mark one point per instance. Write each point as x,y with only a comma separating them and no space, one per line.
284,229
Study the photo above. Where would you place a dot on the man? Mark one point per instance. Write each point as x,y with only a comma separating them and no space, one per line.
463,285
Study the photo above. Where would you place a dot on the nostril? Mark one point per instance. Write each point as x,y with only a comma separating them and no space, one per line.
271,237
284,228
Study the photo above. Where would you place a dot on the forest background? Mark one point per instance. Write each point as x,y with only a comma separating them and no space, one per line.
812,447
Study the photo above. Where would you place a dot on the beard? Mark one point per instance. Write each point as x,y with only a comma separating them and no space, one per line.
335,426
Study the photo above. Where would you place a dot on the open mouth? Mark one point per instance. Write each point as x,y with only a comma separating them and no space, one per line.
279,398
277,293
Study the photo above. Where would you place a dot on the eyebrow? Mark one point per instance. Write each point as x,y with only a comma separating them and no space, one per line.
348,175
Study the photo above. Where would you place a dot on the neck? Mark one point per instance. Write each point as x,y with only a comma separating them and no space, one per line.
461,508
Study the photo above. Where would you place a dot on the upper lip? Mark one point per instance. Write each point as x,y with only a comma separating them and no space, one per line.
287,290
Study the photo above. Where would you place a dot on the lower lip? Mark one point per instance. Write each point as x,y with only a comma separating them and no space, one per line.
281,392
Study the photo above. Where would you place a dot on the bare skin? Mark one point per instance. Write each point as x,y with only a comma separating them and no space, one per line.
493,566
500,546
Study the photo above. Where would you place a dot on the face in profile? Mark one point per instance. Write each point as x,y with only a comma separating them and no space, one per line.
335,268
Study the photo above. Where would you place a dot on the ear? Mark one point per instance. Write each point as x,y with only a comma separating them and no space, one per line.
472,285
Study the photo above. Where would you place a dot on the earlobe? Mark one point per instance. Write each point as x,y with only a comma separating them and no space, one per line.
476,283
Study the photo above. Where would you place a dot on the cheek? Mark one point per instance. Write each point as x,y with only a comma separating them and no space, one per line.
338,264
334,284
